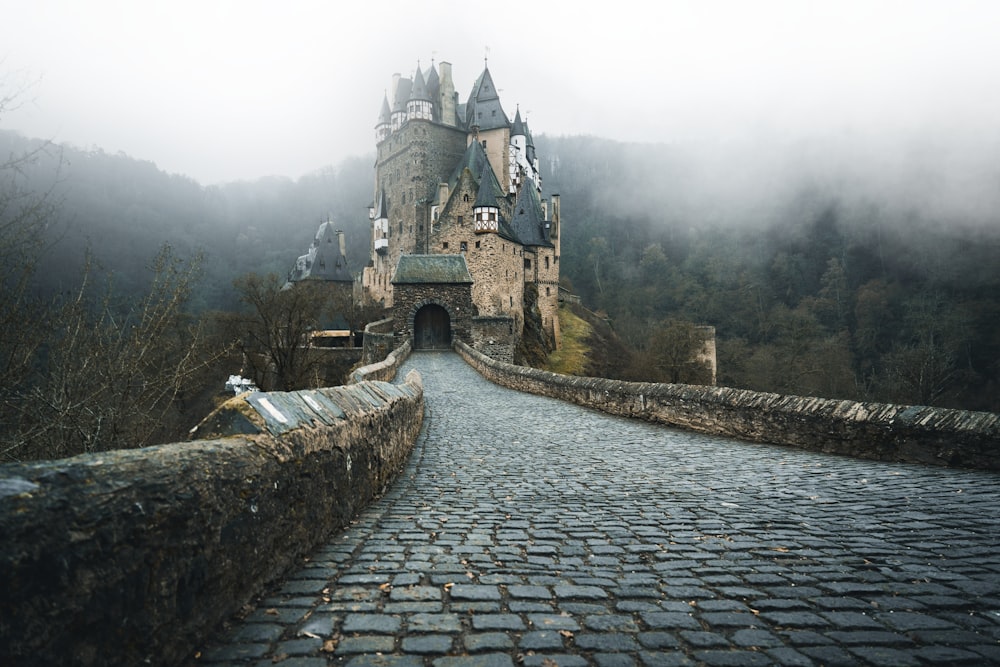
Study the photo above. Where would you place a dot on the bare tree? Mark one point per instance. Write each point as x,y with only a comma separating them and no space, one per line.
674,349
274,335
108,375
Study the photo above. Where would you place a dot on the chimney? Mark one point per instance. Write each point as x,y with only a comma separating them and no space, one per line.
343,246
447,91
395,87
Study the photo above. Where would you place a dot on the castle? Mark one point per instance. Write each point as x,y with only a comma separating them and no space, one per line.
462,243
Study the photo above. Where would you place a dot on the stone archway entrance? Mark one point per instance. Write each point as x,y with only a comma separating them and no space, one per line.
431,328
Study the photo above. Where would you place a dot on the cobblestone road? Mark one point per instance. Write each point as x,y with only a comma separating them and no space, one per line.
529,531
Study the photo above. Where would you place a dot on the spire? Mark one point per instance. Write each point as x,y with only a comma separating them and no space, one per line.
382,127
419,104
519,129
419,90
434,89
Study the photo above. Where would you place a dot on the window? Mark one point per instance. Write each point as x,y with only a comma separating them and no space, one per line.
463,246
527,263
461,219
546,291
477,245
465,197
546,262
445,245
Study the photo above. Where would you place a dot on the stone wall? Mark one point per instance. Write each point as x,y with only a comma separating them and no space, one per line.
494,337
456,299
878,431
384,370
379,341
131,557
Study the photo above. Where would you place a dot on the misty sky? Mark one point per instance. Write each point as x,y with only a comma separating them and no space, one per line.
224,90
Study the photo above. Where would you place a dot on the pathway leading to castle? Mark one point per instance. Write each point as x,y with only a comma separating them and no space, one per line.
530,531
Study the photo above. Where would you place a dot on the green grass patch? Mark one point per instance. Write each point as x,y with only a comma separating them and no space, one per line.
571,357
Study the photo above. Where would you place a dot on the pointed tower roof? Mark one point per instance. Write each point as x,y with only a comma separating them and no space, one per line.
486,196
384,116
419,89
324,261
528,219
519,129
433,82
381,211
483,108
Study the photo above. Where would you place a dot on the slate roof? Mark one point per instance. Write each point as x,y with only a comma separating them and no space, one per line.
528,221
419,90
323,261
483,108
384,115
422,269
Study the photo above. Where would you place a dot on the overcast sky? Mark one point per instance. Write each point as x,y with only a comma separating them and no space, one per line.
225,90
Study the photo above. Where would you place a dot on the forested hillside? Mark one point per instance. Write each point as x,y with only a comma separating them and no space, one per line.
123,209
824,271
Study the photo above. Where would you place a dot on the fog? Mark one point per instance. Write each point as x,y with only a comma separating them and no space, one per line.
897,98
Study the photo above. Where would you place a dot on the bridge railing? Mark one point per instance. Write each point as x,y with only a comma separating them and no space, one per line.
877,431
130,557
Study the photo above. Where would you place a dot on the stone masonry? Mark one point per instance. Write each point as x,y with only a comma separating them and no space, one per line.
530,531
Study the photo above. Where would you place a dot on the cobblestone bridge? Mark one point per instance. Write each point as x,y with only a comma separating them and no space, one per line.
529,531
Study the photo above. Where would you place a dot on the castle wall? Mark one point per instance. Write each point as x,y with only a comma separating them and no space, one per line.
545,272
497,267
495,337
495,263
411,162
878,431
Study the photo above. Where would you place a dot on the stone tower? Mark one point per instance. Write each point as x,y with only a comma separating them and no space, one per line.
462,178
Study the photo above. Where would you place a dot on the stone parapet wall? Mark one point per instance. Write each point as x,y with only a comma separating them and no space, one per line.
384,370
877,431
132,557
379,341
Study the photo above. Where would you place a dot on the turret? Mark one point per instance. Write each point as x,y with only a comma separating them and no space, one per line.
518,151
485,211
382,127
419,105
434,91
400,95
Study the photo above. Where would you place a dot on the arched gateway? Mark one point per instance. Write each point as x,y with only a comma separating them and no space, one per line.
432,300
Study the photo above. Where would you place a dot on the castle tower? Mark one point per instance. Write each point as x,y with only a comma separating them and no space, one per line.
382,127
461,179
488,124
419,105
485,212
